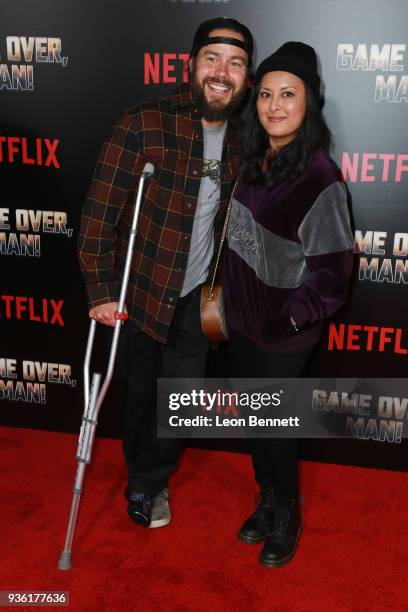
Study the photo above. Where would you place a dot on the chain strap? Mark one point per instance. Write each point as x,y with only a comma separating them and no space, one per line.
224,232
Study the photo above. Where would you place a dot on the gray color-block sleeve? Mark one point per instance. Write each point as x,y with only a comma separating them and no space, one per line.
326,227
327,243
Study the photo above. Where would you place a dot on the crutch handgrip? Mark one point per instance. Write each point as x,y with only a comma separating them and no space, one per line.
121,315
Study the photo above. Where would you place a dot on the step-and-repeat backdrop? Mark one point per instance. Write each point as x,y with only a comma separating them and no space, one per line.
67,72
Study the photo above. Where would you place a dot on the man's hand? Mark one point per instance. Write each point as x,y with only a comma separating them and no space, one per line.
104,313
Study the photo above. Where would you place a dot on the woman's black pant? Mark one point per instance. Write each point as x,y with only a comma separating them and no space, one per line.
274,459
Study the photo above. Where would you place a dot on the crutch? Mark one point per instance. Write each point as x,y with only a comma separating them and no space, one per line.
93,398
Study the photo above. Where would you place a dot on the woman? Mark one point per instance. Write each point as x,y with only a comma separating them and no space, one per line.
287,264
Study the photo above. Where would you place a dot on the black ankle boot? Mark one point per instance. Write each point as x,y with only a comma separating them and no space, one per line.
260,523
280,545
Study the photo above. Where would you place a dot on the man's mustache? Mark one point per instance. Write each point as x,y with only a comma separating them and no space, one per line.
219,81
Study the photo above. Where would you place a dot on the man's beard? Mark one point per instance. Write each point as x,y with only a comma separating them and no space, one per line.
215,110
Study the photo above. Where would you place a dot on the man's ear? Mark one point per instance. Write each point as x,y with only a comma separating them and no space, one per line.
190,65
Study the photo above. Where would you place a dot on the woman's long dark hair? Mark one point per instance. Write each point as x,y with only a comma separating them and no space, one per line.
292,159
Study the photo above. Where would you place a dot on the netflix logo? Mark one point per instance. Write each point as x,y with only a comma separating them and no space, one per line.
165,68
29,151
39,310
348,337
374,167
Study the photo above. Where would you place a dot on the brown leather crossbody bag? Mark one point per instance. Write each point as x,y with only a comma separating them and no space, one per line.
213,321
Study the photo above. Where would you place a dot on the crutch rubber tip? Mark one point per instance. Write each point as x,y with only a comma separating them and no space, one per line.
64,562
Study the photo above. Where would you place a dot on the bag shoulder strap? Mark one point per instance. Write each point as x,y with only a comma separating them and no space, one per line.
224,232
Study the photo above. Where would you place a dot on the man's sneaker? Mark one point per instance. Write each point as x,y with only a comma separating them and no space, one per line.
161,515
146,511
139,507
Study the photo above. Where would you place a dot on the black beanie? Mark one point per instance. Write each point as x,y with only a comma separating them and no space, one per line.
226,23
294,57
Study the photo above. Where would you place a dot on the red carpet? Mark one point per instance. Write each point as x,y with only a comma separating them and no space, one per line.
352,555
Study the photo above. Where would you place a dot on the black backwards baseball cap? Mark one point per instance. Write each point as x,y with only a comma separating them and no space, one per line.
202,38
295,57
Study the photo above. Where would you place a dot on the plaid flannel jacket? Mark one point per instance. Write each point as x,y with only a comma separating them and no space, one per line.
168,133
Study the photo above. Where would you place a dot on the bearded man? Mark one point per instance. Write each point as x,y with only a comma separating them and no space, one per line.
190,137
